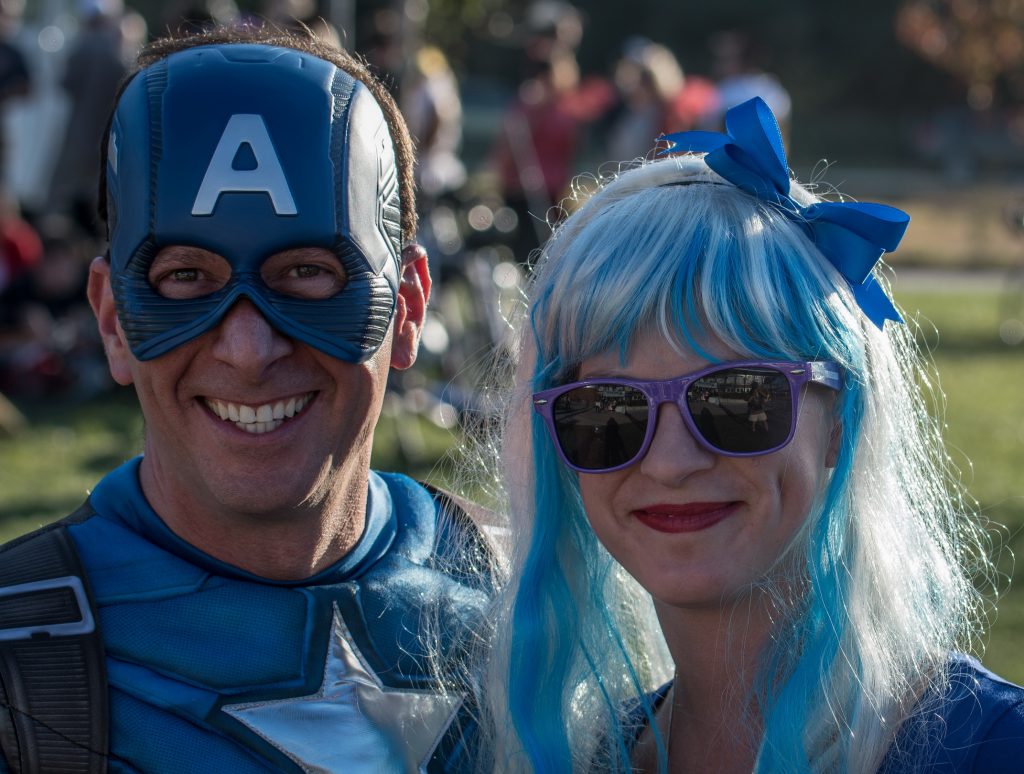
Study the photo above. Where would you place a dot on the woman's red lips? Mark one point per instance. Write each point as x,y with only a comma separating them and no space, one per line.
687,517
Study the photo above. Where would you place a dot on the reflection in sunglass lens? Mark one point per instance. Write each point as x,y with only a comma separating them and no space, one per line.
742,410
600,426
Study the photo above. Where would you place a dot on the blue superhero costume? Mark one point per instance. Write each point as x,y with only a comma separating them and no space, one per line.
975,727
212,669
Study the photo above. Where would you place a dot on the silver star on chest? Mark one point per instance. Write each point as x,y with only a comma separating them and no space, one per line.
354,723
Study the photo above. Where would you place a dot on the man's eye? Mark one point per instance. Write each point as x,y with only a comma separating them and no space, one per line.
188,282
313,274
188,272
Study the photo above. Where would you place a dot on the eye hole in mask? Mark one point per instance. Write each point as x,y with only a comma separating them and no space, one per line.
186,273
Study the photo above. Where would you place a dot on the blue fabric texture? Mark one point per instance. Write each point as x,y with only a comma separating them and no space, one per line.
976,727
186,634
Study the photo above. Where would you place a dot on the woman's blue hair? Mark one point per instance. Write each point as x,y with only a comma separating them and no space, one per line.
885,586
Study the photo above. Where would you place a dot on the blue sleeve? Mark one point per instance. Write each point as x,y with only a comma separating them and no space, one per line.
1002,748
976,726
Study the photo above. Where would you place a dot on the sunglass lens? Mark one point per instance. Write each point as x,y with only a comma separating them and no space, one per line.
742,410
600,426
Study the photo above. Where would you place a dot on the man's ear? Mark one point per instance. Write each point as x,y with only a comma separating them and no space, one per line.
101,299
411,309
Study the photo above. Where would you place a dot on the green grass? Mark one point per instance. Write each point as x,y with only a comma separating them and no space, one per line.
47,470
984,416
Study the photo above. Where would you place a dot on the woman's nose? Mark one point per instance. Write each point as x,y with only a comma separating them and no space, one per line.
247,341
674,453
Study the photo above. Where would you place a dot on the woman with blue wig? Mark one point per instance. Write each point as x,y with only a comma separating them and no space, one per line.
814,574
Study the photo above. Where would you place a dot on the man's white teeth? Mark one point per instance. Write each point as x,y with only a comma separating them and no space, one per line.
258,419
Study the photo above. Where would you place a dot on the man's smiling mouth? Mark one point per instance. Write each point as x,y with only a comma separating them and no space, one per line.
262,418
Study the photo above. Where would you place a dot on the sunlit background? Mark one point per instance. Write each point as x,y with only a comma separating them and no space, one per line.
918,104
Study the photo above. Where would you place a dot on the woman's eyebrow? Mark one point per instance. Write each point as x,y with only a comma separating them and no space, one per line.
600,373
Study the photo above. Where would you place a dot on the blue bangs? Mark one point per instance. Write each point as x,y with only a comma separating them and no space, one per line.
703,264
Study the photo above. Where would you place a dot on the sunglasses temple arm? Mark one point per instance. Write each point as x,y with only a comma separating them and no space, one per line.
826,373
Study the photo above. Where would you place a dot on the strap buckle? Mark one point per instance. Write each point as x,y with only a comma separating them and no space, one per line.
85,625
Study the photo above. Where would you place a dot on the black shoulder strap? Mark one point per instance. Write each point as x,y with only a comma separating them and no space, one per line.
54,712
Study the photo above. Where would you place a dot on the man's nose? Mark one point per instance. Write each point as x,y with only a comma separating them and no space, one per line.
674,454
247,341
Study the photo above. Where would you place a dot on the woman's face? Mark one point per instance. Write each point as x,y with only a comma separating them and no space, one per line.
693,527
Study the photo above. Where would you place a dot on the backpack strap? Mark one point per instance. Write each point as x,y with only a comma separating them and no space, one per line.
54,712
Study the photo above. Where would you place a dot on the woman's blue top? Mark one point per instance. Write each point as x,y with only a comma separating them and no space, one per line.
976,725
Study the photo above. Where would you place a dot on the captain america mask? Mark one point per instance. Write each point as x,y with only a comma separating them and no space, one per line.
248,150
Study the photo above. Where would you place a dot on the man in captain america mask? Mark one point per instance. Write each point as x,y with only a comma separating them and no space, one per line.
247,595
245,151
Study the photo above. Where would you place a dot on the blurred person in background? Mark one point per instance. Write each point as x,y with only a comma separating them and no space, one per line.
20,247
383,43
737,66
430,102
432,108
15,80
535,153
54,349
21,253
542,129
655,98
94,69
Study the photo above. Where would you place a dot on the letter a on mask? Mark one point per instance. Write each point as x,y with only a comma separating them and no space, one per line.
267,177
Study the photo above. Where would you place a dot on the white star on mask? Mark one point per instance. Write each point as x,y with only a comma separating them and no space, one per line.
354,723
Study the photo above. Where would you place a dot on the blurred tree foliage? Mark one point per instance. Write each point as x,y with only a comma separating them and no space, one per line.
981,42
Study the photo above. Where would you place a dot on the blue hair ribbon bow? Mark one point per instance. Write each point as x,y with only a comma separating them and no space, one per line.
851,235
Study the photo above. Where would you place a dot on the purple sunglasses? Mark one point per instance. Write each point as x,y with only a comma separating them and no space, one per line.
737,409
